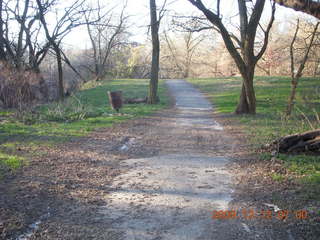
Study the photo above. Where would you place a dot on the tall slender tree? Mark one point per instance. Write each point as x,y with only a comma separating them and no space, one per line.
155,19
243,50
154,76
2,43
297,71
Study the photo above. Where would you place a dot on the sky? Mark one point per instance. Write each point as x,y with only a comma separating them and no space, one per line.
139,12
139,16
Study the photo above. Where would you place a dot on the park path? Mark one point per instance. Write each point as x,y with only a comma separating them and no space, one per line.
154,178
172,195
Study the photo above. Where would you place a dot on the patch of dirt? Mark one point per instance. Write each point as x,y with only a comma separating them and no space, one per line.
68,183
255,189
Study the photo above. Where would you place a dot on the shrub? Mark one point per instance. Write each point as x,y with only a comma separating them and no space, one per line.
17,88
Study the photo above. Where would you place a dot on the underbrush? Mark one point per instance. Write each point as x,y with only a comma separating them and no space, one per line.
76,116
19,88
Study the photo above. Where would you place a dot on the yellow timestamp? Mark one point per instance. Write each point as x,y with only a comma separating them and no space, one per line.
259,214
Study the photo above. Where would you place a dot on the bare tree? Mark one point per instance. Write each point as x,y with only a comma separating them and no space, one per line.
182,55
105,36
21,48
311,7
155,19
71,18
154,24
297,73
248,56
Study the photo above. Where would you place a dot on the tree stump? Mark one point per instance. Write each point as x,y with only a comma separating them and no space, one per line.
115,99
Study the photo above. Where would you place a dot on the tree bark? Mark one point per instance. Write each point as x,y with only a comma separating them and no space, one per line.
306,6
2,41
242,106
60,71
19,54
294,84
247,101
303,142
153,86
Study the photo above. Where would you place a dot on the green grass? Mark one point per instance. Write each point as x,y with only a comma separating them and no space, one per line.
77,116
270,123
9,163
277,177
302,164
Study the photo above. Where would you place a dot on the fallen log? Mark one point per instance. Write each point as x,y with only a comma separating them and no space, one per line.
135,100
301,142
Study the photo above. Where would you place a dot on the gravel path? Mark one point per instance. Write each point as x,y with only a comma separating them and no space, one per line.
154,178
172,195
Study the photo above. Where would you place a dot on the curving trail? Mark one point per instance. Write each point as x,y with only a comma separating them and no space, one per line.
172,195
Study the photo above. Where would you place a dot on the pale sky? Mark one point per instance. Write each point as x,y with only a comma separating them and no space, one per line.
139,12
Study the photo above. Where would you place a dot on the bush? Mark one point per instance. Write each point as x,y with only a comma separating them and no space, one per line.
18,88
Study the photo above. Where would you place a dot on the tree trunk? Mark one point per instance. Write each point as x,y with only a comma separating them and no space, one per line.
316,66
242,106
60,71
19,54
153,86
96,71
247,101
294,85
2,44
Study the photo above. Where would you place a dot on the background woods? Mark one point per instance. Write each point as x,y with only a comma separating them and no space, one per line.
62,145
34,37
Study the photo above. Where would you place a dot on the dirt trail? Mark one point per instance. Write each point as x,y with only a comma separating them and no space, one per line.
158,177
172,195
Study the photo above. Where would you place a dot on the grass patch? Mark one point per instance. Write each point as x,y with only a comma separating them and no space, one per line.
272,94
270,123
307,167
9,163
277,177
78,115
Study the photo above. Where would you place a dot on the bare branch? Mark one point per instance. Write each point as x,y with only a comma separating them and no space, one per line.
266,33
291,48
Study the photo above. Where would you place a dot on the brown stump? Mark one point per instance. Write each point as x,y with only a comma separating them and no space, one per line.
115,99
